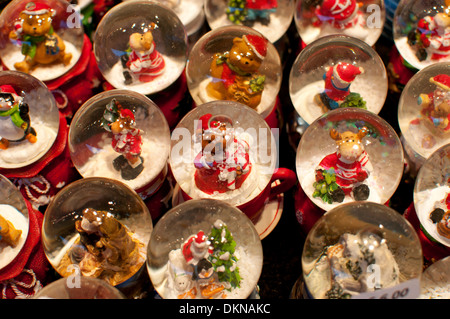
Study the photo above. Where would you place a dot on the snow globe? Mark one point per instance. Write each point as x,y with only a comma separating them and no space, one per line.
29,121
421,31
337,71
99,228
349,155
363,20
123,135
141,46
424,113
271,18
435,281
41,38
224,150
14,222
204,249
235,63
432,196
362,251
190,12
79,288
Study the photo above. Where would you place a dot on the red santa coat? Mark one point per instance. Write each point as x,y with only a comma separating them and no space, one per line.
212,176
147,65
261,4
347,174
128,142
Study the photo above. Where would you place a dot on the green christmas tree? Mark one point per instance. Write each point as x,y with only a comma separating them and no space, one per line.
236,11
326,187
110,114
223,258
354,100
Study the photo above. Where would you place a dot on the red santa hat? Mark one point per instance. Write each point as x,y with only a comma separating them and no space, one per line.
257,44
7,89
344,74
441,80
339,10
33,8
124,113
196,244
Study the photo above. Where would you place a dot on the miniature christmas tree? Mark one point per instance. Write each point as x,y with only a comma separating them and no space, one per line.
236,11
223,258
326,187
111,114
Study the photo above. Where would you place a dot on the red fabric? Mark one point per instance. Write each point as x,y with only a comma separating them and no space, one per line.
147,66
31,260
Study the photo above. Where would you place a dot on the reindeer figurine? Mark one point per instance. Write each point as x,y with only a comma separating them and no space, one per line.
349,165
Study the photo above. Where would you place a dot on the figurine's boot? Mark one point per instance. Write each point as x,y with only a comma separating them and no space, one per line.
23,66
8,233
67,58
361,192
4,144
131,171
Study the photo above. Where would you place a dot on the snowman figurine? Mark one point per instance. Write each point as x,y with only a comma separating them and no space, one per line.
338,79
15,122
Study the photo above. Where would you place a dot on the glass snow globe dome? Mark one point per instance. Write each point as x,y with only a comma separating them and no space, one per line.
254,81
337,71
141,45
223,150
97,227
432,196
349,155
30,119
357,250
423,113
420,29
120,134
204,249
14,222
271,18
363,20
190,12
57,33
81,288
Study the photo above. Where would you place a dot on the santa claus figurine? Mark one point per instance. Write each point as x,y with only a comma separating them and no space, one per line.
341,14
338,79
196,251
15,122
224,162
127,139
431,38
435,110
144,63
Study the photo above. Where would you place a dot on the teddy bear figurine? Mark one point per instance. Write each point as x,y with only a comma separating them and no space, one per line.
235,72
15,120
40,43
435,106
142,61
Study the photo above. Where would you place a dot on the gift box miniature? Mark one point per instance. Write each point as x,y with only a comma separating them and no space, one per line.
123,135
421,32
145,53
423,113
348,155
235,63
204,249
97,227
29,120
363,20
270,18
361,250
431,197
43,38
337,72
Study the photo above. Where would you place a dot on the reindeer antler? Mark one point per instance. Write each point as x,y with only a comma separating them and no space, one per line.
363,131
335,135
